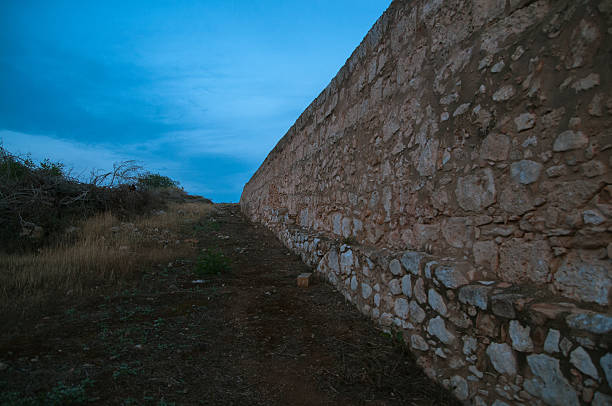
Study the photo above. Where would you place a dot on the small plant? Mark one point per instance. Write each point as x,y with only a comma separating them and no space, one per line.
150,181
124,369
59,395
212,262
349,241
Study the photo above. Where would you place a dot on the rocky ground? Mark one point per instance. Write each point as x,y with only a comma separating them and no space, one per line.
246,336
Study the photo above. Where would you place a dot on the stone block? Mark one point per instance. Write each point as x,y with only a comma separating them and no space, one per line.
589,281
303,280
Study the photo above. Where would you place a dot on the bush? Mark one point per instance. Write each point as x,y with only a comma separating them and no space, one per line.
151,181
212,262
38,200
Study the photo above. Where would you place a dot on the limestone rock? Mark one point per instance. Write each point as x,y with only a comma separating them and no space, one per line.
551,344
407,285
606,365
486,254
366,290
569,195
601,399
525,171
417,314
412,261
587,281
593,168
581,360
551,386
504,93
332,260
419,291
525,260
495,147
437,327
436,302
524,122
521,341
469,345
570,140
476,191
418,343
556,171
516,199
502,357
401,308
450,276
503,304
459,387
395,267
457,231
475,295
586,83
593,217
395,286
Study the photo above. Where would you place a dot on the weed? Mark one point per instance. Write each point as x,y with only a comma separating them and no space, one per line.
349,241
105,250
123,370
59,395
212,262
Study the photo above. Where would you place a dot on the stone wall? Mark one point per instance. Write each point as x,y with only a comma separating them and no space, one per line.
453,182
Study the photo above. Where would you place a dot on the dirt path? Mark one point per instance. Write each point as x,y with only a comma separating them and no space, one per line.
247,337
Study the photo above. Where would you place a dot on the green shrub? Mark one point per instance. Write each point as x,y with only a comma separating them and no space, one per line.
151,181
212,262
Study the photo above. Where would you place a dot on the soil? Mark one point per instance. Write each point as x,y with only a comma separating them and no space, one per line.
248,336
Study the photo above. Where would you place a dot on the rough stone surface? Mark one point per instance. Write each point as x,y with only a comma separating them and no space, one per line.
437,327
475,295
417,314
451,277
570,140
521,260
412,262
436,302
395,267
459,387
502,357
521,341
395,286
581,360
525,121
606,365
601,399
495,147
407,285
418,343
366,290
419,291
477,191
504,93
551,385
503,305
587,281
486,254
464,149
551,345
525,171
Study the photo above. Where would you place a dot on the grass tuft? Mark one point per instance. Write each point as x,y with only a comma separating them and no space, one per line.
99,251
212,262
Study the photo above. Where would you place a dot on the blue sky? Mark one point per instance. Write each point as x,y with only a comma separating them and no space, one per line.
200,91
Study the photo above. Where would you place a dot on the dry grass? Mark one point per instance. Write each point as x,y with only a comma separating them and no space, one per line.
101,251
